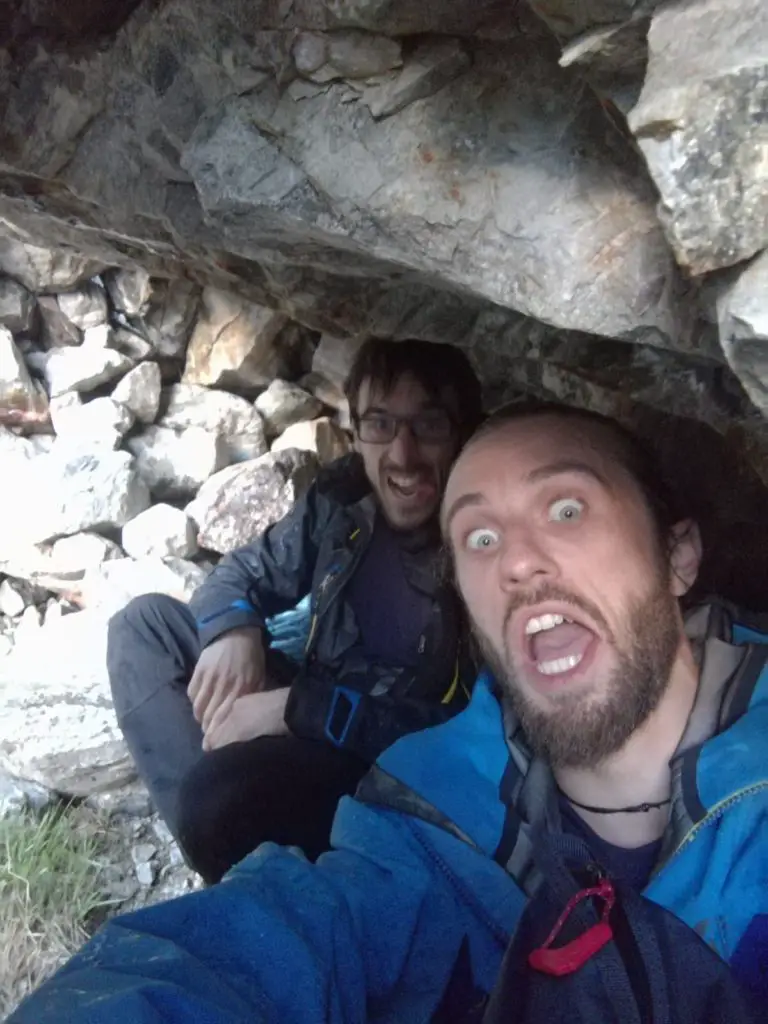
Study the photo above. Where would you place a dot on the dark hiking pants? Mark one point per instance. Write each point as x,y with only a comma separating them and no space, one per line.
223,804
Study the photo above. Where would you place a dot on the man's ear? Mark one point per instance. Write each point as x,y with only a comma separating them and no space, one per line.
684,556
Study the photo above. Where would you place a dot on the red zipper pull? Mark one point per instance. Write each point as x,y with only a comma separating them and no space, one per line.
569,958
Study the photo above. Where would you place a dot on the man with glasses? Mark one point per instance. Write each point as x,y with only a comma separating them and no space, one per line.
236,743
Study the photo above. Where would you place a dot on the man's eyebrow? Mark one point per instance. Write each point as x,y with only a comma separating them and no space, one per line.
566,466
465,501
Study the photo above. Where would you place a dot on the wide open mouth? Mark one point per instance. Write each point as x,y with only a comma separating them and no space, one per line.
557,642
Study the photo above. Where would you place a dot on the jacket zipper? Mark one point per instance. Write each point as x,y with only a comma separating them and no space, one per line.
325,583
709,818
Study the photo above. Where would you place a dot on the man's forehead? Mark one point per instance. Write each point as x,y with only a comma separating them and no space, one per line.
530,450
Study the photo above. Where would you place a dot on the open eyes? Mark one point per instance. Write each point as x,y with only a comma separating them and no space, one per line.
482,539
566,510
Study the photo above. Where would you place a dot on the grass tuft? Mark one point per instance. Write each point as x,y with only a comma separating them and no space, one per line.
49,891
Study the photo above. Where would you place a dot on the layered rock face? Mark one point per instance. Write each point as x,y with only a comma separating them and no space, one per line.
205,208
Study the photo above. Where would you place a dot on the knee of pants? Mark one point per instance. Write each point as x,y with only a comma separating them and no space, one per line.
141,612
201,820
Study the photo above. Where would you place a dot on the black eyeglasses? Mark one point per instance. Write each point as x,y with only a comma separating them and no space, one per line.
433,426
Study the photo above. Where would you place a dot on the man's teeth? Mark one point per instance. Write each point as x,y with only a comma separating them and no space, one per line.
544,622
404,479
558,665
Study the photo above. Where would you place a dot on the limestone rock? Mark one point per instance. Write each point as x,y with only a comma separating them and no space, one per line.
68,492
100,422
59,566
334,357
42,269
14,448
12,600
162,532
742,308
191,405
57,728
568,19
238,504
112,585
129,289
19,795
21,400
345,54
431,66
329,394
171,315
17,306
284,404
175,463
321,436
81,369
236,344
56,330
86,307
139,391
700,122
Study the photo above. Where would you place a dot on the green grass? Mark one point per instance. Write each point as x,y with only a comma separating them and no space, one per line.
49,893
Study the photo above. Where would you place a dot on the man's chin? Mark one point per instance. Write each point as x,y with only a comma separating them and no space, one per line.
404,518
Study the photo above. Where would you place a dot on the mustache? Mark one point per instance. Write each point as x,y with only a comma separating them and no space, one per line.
552,592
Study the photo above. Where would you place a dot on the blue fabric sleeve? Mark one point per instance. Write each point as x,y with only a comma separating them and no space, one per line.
279,940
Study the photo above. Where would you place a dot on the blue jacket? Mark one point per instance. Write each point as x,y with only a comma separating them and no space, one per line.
430,876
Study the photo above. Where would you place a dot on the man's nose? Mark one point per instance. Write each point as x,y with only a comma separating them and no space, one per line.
404,448
525,559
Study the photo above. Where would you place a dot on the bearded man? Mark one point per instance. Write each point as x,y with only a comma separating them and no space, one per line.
586,842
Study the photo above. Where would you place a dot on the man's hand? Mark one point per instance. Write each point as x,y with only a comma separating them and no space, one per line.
256,714
230,667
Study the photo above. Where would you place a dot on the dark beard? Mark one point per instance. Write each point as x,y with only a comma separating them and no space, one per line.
580,732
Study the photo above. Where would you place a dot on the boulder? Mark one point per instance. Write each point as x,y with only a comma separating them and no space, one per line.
22,401
17,306
129,289
700,122
234,418
162,531
67,492
321,436
238,344
175,463
58,728
236,505
42,269
284,404
171,315
56,330
139,391
12,599
109,587
333,359
58,566
80,369
86,307
431,66
742,311
100,422
14,448
329,394
345,54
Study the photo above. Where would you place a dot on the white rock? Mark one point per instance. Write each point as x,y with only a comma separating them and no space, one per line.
81,369
21,400
139,391
42,269
176,463
191,405
30,622
171,316
14,448
59,566
17,795
68,492
98,336
17,306
58,727
284,404
112,585
102,422
334,356
129,289
239,503
322,436
55,329
12,601
162,531
86,307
